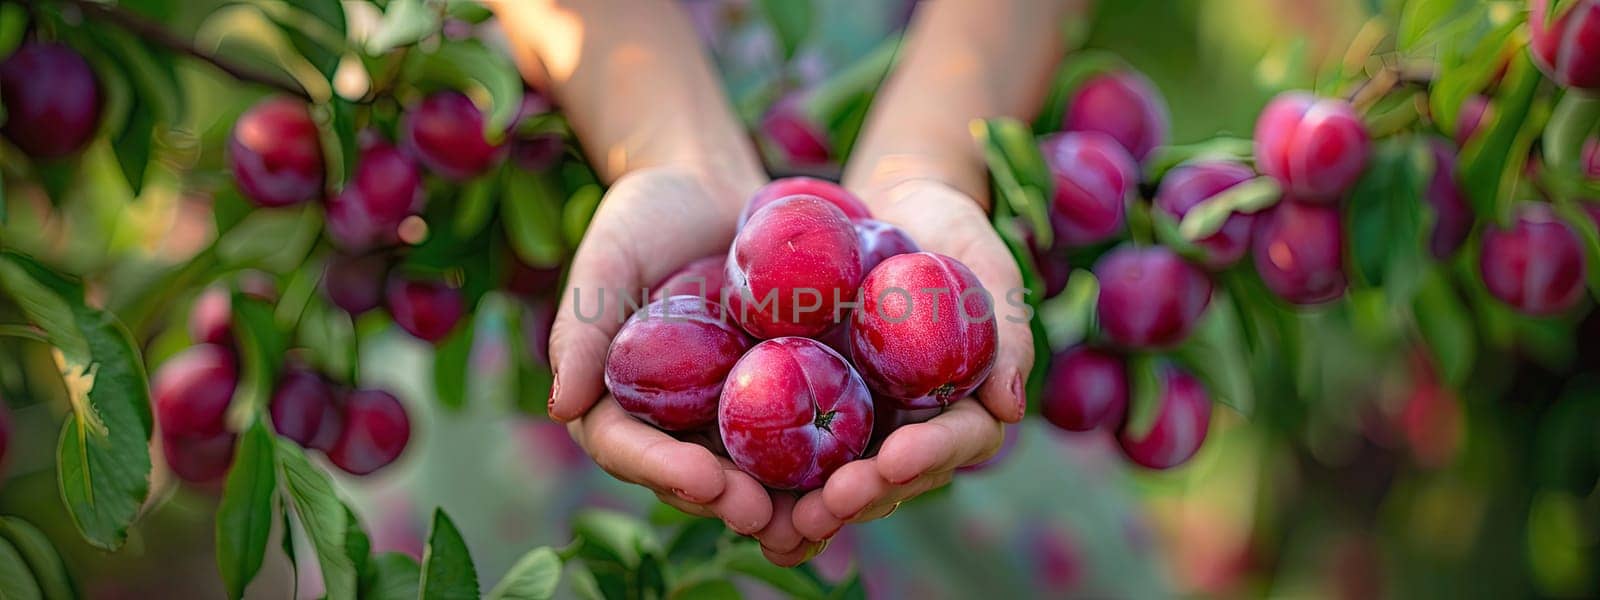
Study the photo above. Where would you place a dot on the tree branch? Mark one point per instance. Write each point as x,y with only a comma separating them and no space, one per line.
154,33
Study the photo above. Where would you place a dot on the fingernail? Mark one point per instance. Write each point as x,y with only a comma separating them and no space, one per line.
1018,393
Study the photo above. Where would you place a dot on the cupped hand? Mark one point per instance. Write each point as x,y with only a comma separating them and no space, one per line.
651,222
920,457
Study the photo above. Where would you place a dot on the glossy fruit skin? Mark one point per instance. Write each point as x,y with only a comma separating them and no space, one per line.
1567,46
667,364
797,140
445,132
852,206
879,241
1298,250
1085,388
1094,177
1453,215
275,154
192,390
376,430
354,282
1537,265
1149,297
1315,147
211,317
199,459
792,412
944,343
1183,417
1190,184
426,309
705,277
1124,105
304,409
51,99
386,188
795,252
1474,110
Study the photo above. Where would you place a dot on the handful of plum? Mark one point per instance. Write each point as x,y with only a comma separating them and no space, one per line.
819,324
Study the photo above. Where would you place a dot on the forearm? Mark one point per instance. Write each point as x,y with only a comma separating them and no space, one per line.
964,60
635,84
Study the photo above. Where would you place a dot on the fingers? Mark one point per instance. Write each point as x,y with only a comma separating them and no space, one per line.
853,488
795,557
1004,393
638,453
962,434
744,504
813,519
780,536
589,316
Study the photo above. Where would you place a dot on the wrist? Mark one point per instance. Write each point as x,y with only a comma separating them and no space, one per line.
882,178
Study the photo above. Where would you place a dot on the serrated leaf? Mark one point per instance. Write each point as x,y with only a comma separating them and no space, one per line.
404,22
534,577
531,209
103,455
40,557
447,570
1209,215
323,518
391,576
16,581
244,518
450,366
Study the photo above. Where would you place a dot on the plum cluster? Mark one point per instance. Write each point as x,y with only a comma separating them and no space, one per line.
360,430
818,332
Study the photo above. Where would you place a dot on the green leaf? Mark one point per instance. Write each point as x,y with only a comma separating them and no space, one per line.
747,559
404,22
287,545
584,583
276,240
476,206
323,518
1016,171
447,571
45,309
1164,158
1468,60
1144,405
103,456
1574,123
16,581
615,536
531,209
1446,327
336,122
450,366
1387,232
244,518
579,211
41,558
711,589
1249,197
1216,354
469,65
151,72
391,576
356,543
315,28
534,577
1486,160
261,349
132,147
790,20
1420,18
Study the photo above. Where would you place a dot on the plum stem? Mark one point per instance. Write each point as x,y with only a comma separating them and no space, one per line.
825,419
